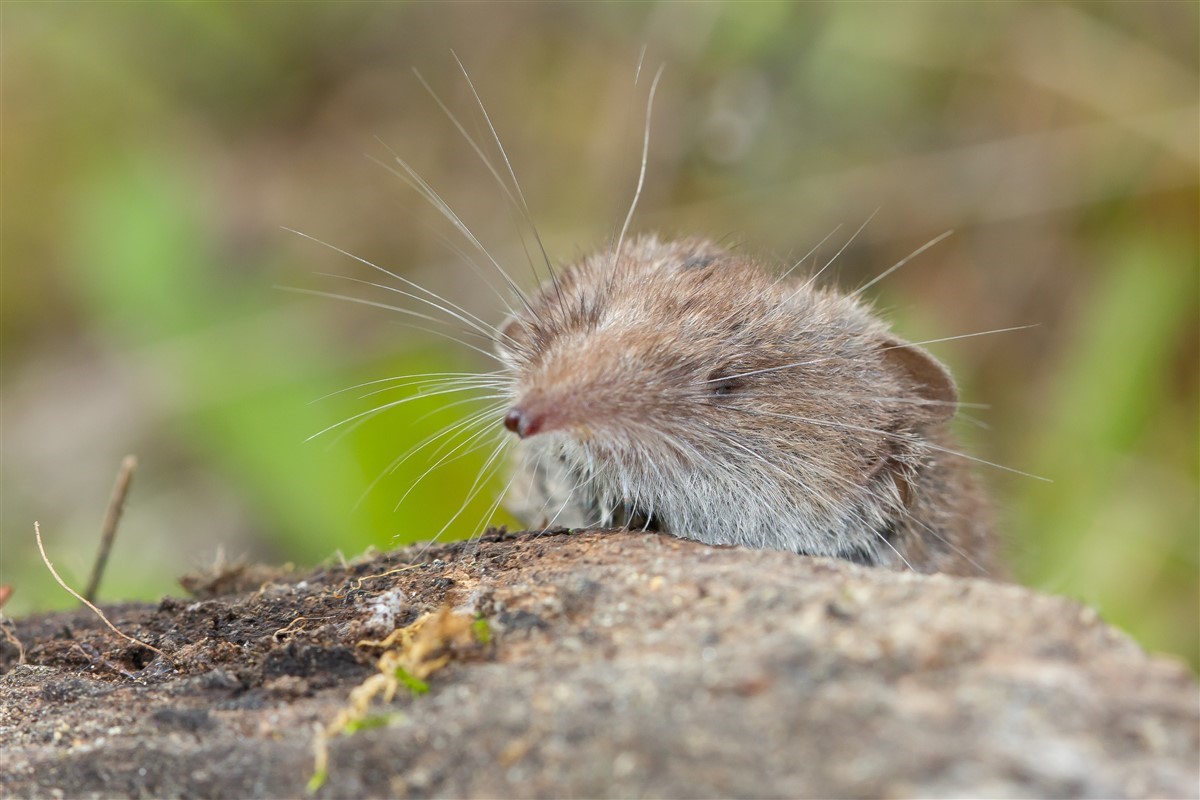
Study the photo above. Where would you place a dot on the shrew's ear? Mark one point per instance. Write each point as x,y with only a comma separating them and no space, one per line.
925,378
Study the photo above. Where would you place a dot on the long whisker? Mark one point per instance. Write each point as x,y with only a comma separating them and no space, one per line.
812,278
382,408
884,539
642,173
489,332
400,309
890,347
490,412
424,388
481,481
783,473
569,495
372,413
473,438
804,258
900,263
487,162
889,435
408,380
481,427
511,172
491,512
422,187
450,430
534,470
983,570
962,336
442,304
901,400
446,242
975,421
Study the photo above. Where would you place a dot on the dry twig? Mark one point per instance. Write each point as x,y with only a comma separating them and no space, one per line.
6,625
111,518
10,636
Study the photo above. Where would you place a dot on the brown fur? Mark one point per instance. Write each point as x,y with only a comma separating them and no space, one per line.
687,388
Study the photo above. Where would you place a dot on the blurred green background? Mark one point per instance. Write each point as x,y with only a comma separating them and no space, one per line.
153,153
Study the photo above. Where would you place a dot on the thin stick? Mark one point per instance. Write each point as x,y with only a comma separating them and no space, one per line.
10,636
37,531
111,519
6,625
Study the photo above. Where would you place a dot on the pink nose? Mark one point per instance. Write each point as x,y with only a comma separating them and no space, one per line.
523,423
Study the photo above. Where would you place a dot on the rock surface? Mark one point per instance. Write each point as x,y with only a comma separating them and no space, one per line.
618,664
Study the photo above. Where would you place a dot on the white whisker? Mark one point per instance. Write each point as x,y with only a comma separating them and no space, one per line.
642,172
962,336
485,474
407,379
524,205
488,332
890,435
451,430
812,361
804,258
399,309
812,278
900,263
374,411
423,188
474,437
452,309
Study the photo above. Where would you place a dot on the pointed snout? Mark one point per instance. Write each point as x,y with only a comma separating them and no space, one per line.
524,422
540,412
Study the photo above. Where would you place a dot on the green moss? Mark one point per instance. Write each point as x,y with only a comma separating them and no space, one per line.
481,629
371,721
415,684
317,781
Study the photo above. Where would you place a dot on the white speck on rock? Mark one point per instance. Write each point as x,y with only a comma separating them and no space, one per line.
385,610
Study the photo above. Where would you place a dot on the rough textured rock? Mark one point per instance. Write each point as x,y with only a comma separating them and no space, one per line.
619,665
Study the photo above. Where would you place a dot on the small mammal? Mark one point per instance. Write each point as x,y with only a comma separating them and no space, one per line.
684,388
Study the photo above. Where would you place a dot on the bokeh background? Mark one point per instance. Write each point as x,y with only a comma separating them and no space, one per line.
153,154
